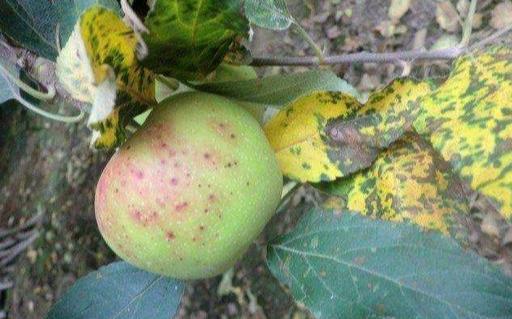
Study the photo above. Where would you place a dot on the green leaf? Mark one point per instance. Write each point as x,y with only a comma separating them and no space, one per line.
270,14
188,39
34,24
342,265
119,290
278,90
468,120
407,182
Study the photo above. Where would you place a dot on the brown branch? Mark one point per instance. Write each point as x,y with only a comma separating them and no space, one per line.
386,57
360,57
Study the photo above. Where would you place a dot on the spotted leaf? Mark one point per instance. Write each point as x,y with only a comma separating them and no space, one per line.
325,136
297,134
468,120
99,65
189,38
408,182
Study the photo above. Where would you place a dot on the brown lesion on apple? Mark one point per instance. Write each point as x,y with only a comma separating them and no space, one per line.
181,207
231,164
169,235
225,130
137,174
144,218
174,181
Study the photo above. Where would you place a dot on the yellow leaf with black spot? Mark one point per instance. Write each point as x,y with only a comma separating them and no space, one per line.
297,134
320,138
389,112
408,182
100,65
109,41
110,131
468,120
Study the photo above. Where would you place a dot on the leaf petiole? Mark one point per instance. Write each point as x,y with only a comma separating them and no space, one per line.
26,88
56,117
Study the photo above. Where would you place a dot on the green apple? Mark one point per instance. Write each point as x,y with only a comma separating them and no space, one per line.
189,192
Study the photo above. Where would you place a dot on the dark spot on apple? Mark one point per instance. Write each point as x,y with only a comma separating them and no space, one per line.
247,183
137,214
201,228
116,190
233,136
169,235
181,206
138,174
163,162
211,197
128,147
206,210
174,181
163,145
206,155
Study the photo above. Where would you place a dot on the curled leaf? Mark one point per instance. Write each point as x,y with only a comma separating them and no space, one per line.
99,65
297,134
349,138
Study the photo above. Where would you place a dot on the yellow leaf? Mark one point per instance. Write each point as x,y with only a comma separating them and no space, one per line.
297,134
99,65
108,40
469,121
408,182
328,135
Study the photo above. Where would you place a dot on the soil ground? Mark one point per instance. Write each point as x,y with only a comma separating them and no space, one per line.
48,169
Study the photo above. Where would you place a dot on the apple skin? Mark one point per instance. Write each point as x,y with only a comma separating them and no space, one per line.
188,193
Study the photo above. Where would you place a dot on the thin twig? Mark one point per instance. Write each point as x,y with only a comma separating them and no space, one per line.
360,57
468,24
15,250
493,37
36,219
388,57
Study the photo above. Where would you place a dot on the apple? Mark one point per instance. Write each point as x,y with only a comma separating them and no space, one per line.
188,193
